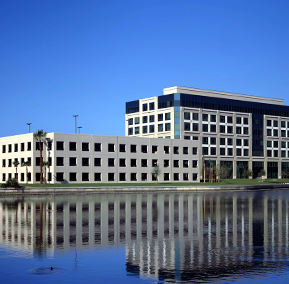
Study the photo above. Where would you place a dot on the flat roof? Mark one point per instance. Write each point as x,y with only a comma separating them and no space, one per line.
223,95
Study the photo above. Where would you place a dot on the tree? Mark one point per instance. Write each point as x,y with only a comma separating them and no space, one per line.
45,164
26,164
224,172
16,163
247,173
204,169
39,136
262,173
156,172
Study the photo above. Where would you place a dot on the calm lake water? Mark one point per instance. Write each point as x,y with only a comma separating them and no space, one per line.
202,237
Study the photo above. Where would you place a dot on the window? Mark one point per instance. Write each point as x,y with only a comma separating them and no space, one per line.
229,129
72,161
59,176
10,148
195,163
160,128
176,163
110,147
269,132
136,120
3,163
195,127
269,153
122,148
133,148
166,149
144,176
72,146
59,145
275,132
205,127
152,106
97,147
144,107
205,140
3,177
38,148
168,116
222,128
59,161
122,163
154,162
133,177
176,176
238,130
212,128
176,150
275,123
3,148
238,142
187,115
230,141
152,118
195,176
166,176
72,176
15,147
222,141
283,154
269,143
195,116
130,131
230,151
144,129
85,146
133,163
185,176
110,176
167,127
205,150
283,144
222,118
152,128
160,117
213,118
283,133
269,122
185,163
22,147
166,163
144,163
275,144
246,142
229,119
195,150
238,120
144,148
154,149
187,126
49,145
85,162
122,177
97,162
245,120
246,130
239,152
185,150
275,153
144,119
37,161
283,124
213,140
246,152
205,117
130,121
213,150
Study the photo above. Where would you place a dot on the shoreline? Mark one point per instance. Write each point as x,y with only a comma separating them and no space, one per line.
134,189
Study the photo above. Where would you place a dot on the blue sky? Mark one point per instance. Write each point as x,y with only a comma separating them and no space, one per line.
60,58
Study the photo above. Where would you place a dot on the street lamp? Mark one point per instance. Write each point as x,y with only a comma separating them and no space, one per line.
29,125
79,129
76,115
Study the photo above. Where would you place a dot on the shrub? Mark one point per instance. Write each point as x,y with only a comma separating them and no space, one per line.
11,183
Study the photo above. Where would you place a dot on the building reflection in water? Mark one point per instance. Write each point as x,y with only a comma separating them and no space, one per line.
166,236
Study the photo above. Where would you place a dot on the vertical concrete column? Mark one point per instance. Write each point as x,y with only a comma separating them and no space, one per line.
250,166
234,168
79,224
66,223
104,221
128,219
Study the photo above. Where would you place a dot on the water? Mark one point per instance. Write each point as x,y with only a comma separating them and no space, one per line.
202,237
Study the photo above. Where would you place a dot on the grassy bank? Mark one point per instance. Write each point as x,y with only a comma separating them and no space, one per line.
228,182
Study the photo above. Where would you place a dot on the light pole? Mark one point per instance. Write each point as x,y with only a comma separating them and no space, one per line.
29,125
76,115
79,129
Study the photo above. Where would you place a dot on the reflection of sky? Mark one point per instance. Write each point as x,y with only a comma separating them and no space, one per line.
154,237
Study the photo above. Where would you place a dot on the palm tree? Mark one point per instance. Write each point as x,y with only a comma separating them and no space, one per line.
16,163
46,165
26,164
38,136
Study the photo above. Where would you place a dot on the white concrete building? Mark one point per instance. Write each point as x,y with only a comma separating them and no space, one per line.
75,158
238,131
